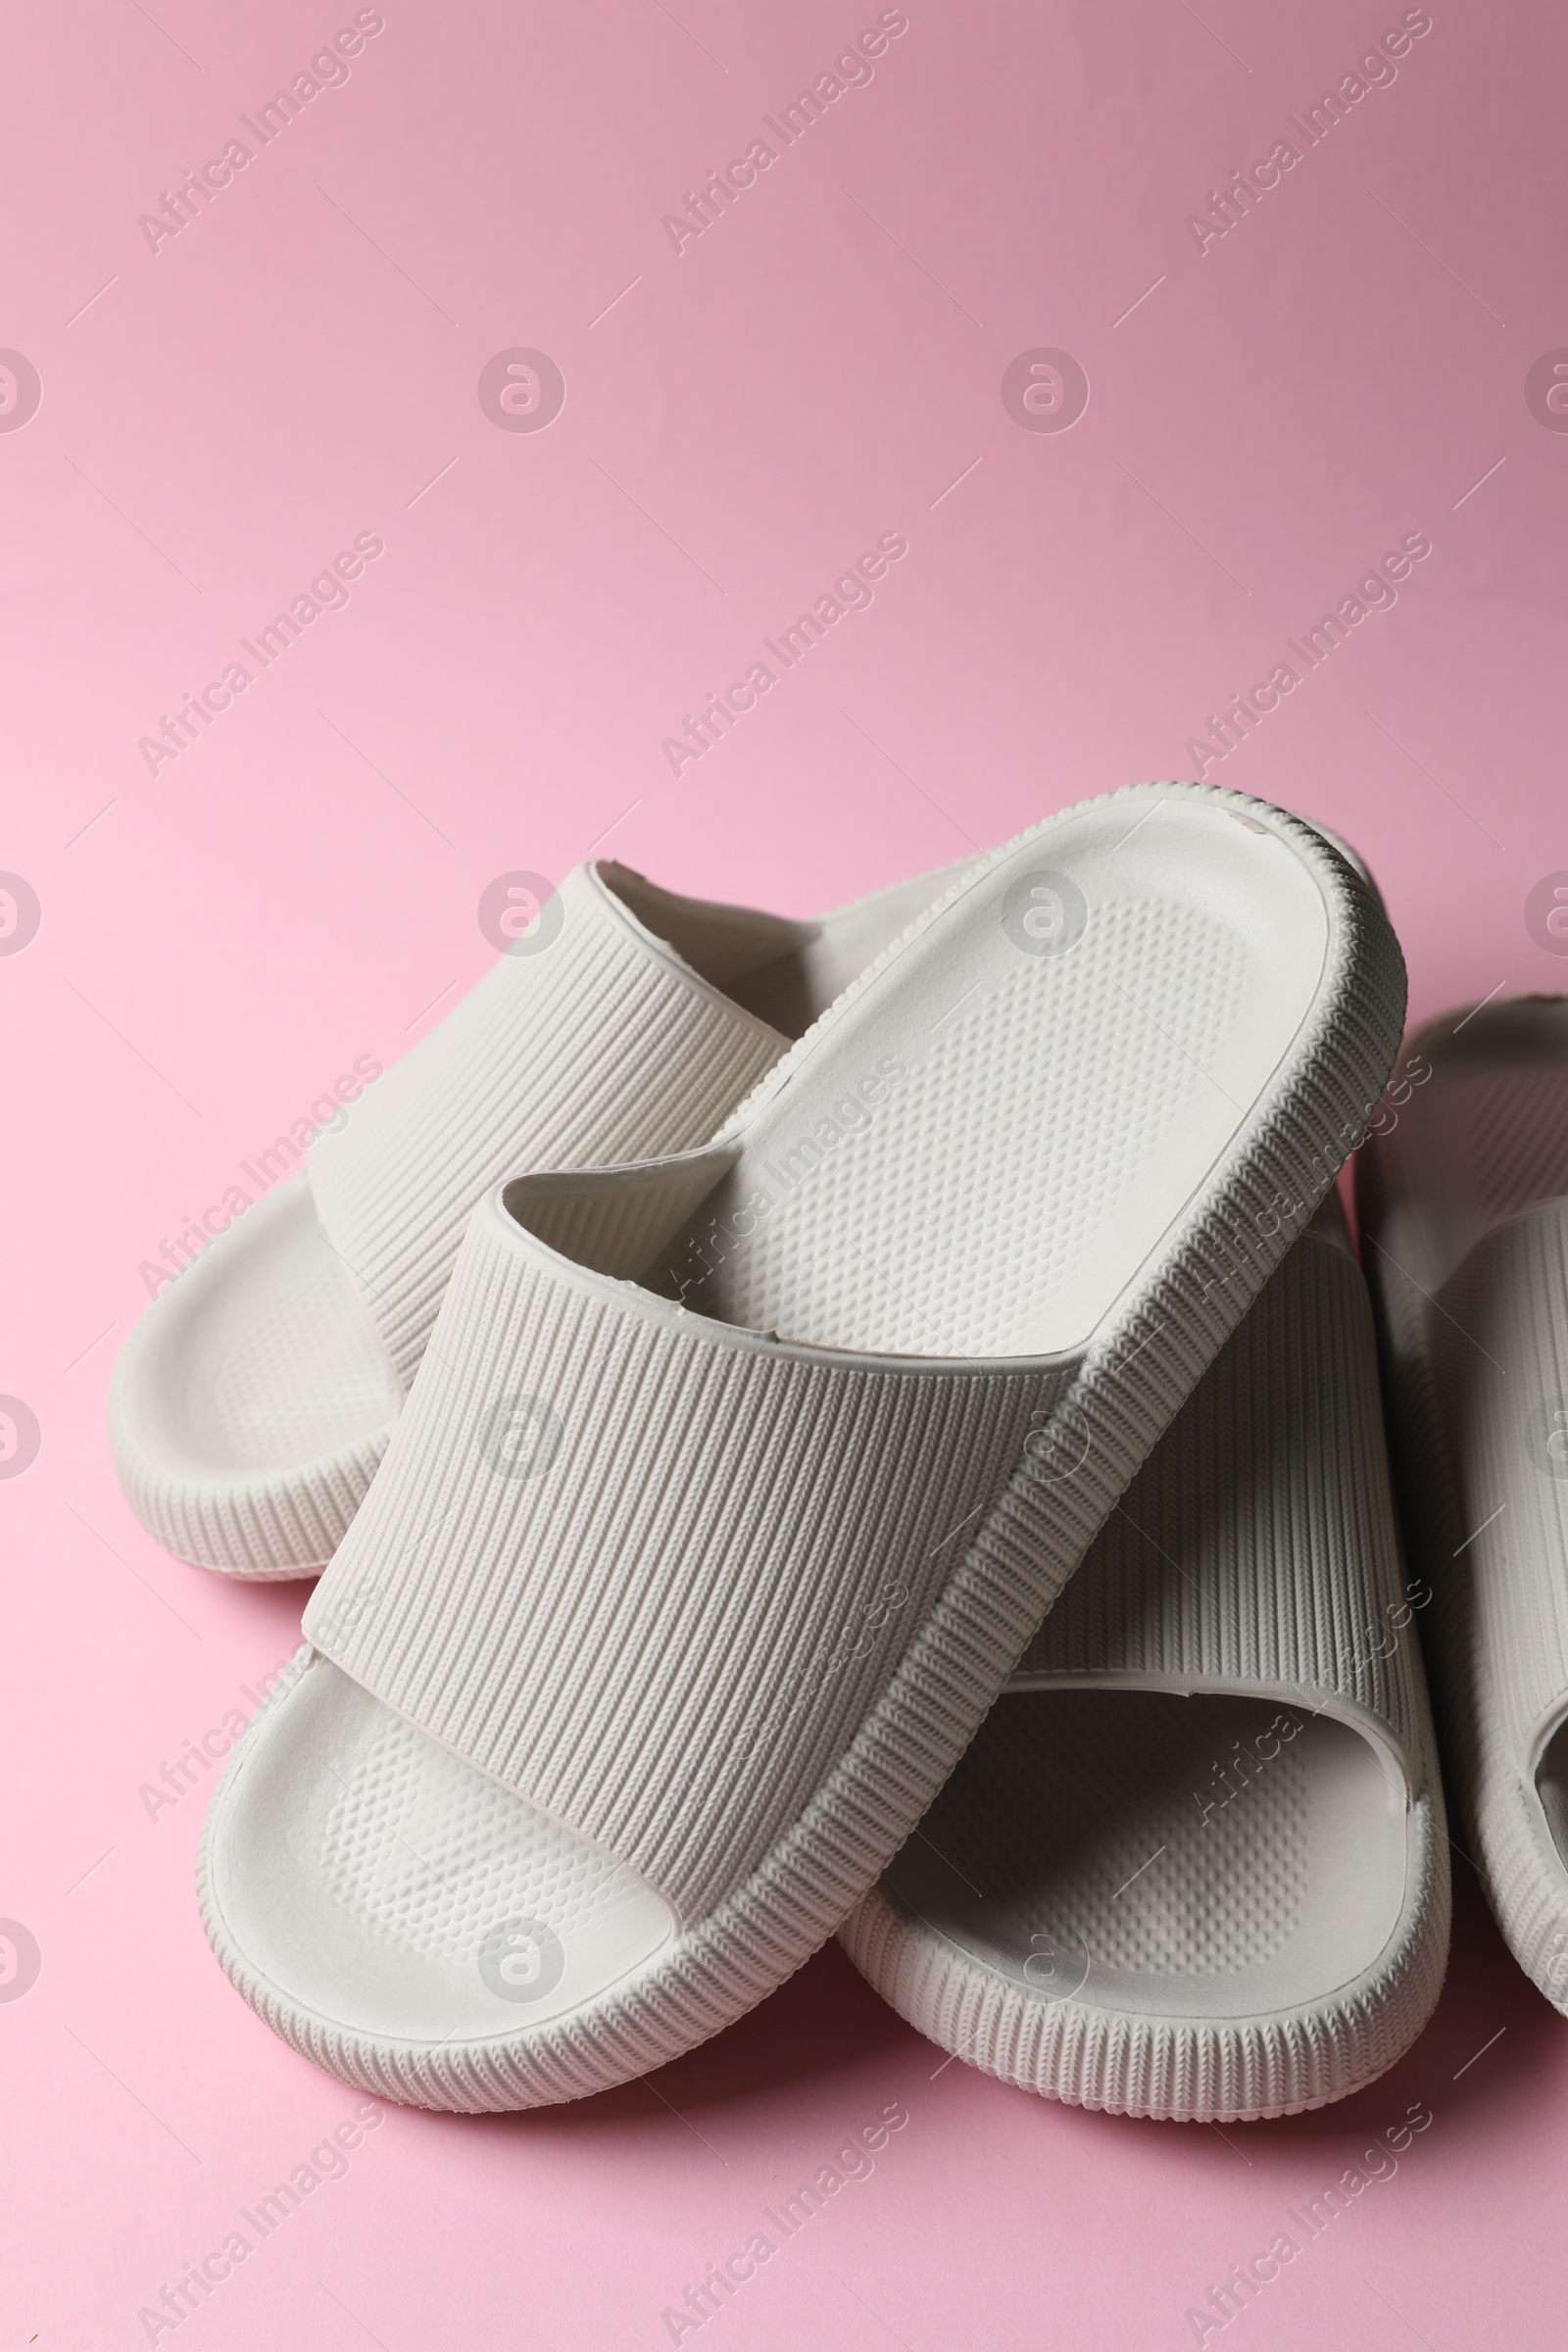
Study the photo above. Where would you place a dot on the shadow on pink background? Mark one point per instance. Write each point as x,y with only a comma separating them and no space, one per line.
1270,412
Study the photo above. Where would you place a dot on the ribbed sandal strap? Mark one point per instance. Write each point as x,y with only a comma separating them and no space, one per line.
596,1043
1257,1547
1500,1348
649,1571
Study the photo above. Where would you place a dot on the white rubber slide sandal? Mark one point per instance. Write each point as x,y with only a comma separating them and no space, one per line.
1463,1198
732,1485
256,1395
1195,1865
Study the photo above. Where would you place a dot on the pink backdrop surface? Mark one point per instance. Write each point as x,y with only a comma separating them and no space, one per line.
1359,361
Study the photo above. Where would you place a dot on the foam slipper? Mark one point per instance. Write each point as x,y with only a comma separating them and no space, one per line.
1195,1866
732,1485
1463,1198
256,1395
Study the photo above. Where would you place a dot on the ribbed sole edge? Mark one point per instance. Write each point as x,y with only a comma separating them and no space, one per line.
276,1526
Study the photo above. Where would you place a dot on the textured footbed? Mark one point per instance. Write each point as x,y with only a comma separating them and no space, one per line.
264,1356
981,1171
256,1396
1162,1855
253,1400
984,1151
396,1889
1465,1205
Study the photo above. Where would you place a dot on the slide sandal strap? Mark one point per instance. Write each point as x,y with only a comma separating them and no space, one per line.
1498,1335
1257,1547
649,1571
588,1043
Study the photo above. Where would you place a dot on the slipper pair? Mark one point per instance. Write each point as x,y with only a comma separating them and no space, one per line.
737,1477
1463,1201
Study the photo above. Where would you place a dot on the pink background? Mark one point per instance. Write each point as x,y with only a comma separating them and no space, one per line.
220,940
